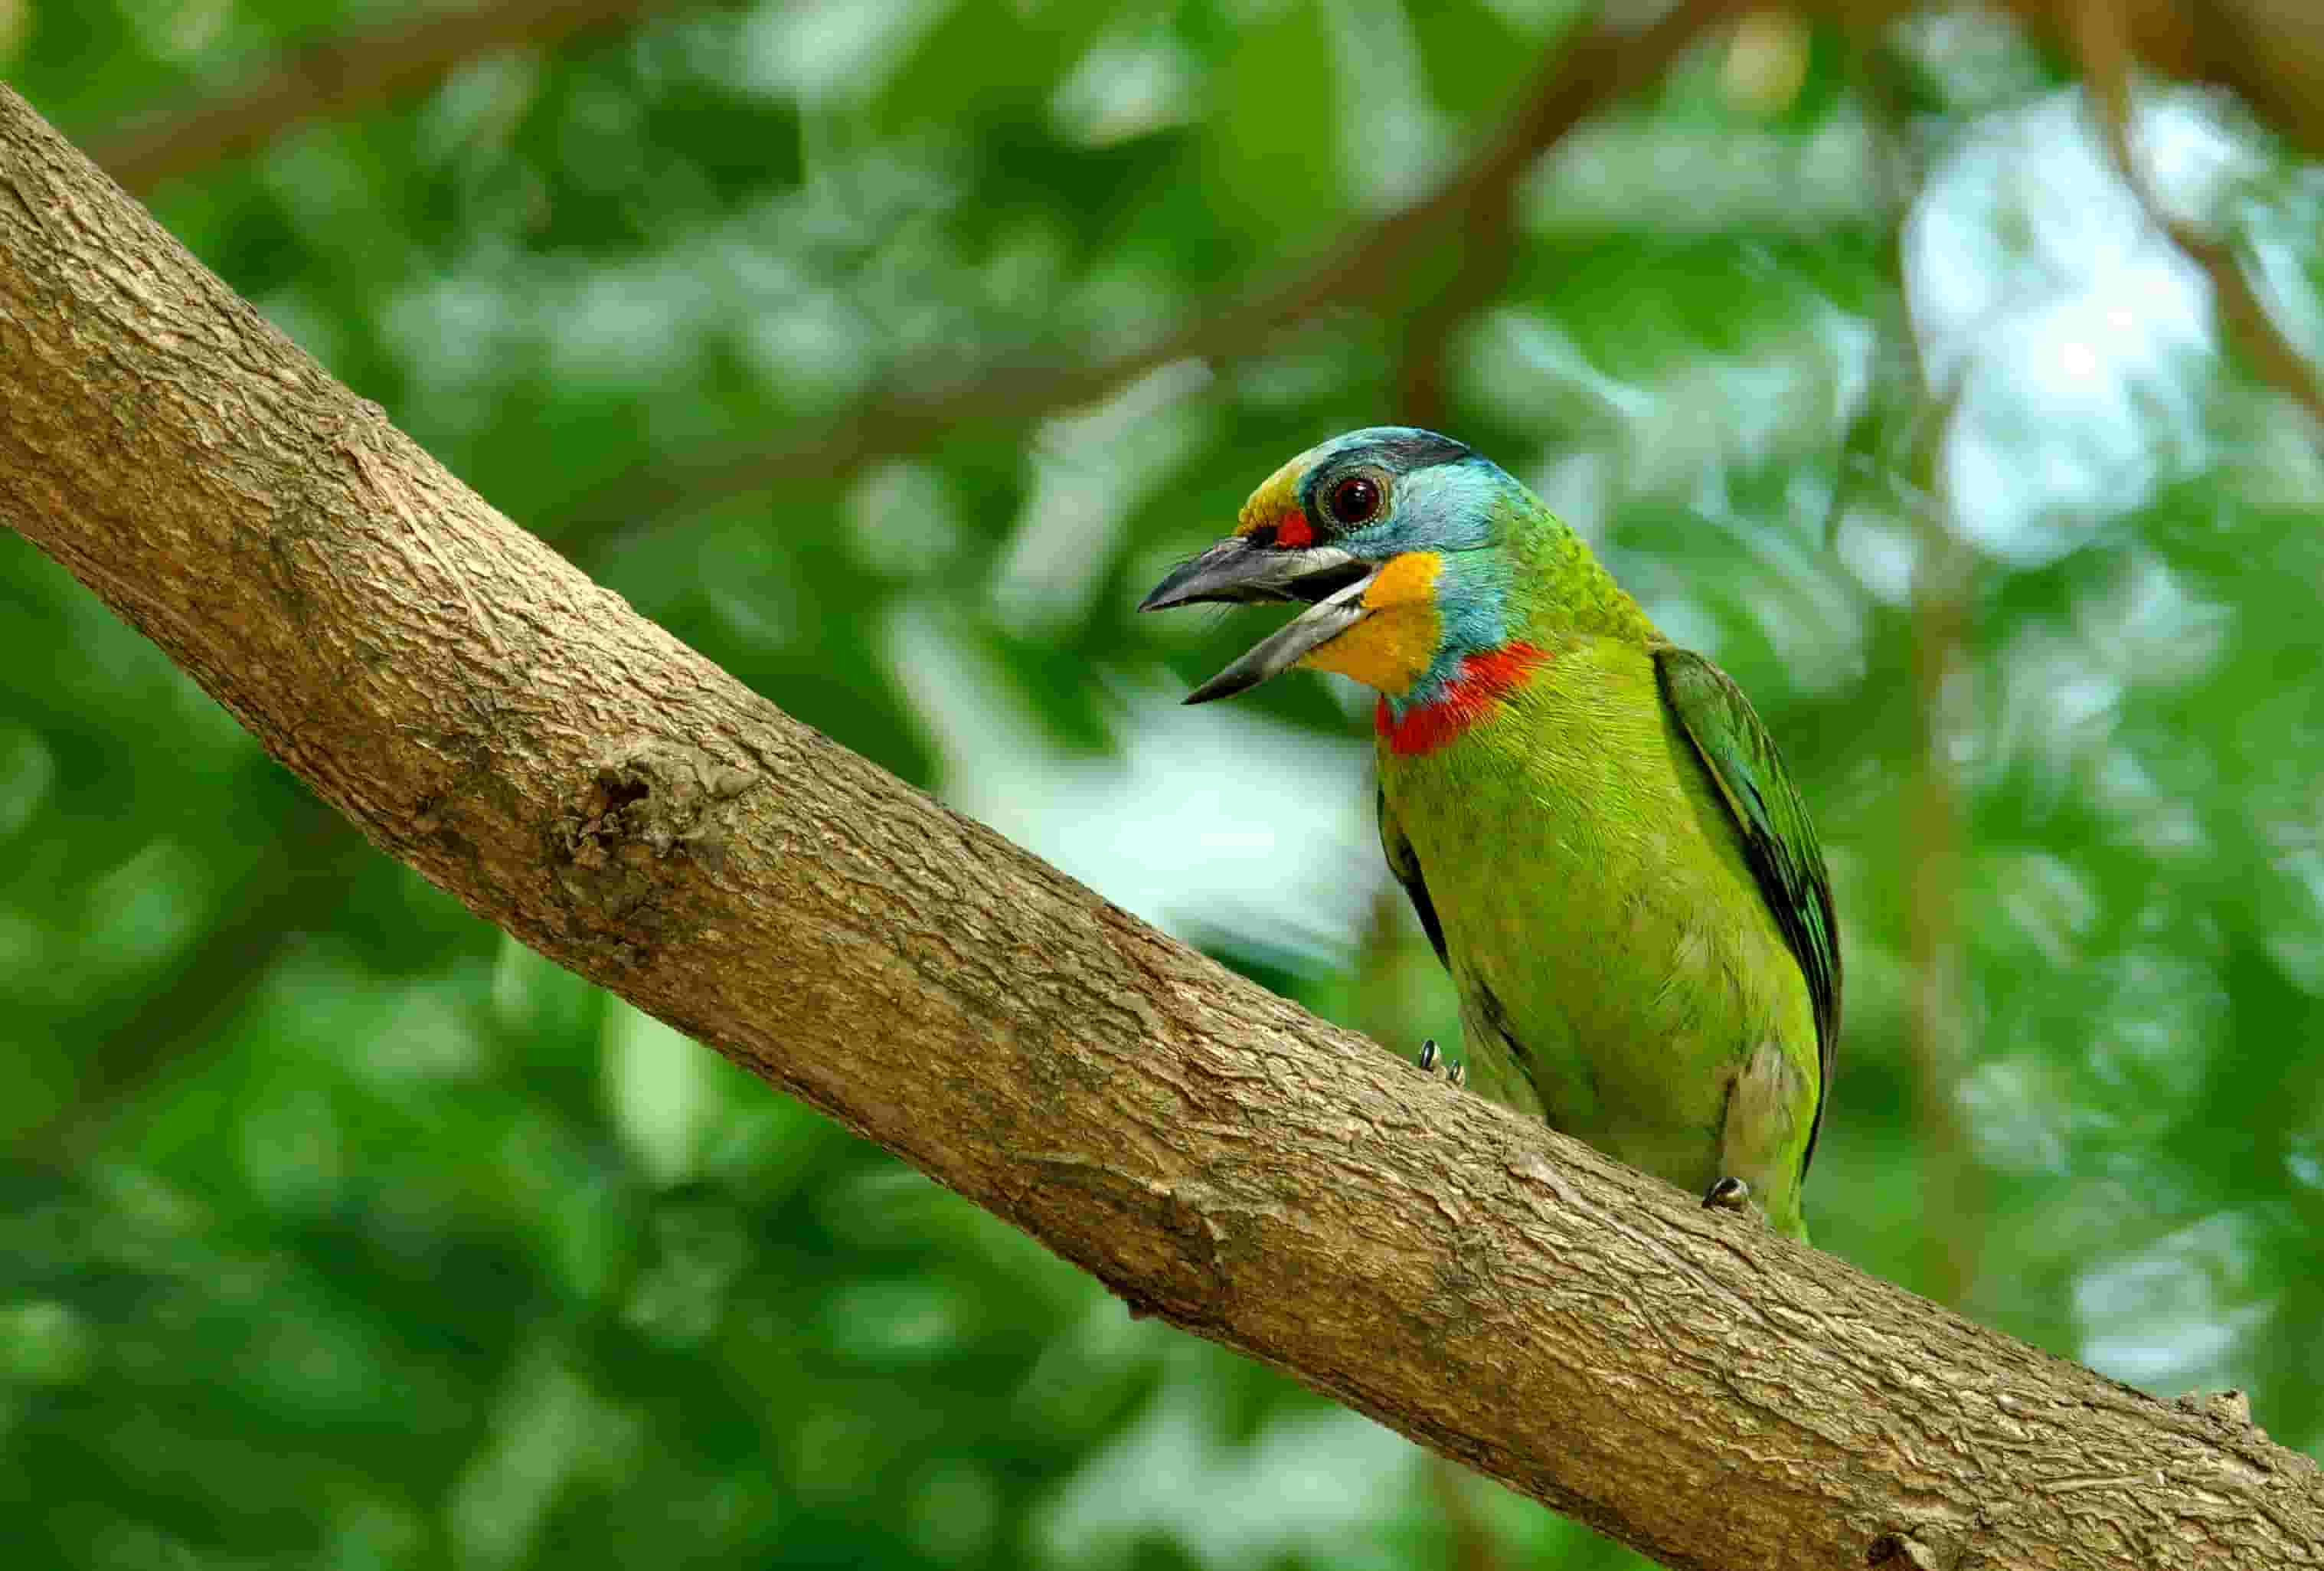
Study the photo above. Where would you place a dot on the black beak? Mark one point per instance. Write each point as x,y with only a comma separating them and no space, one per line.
1236,572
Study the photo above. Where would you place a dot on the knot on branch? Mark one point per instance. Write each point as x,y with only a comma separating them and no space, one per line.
658,797
1902,1550
639,806
2234,1406
2231,1409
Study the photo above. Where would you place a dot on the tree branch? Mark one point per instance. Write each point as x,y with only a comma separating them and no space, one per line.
1684,1379
339,76
1602,63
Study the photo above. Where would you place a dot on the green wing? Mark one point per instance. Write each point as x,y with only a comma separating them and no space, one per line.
1407,868
1778,836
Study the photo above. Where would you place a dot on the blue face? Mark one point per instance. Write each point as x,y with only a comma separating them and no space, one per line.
1324,530
1436,495
1385,490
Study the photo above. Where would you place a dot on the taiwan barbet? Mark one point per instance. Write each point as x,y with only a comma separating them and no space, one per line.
1594,827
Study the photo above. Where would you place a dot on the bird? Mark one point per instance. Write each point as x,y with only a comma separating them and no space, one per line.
1594,827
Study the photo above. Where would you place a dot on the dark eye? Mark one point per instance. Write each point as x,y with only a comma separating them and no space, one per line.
1354,499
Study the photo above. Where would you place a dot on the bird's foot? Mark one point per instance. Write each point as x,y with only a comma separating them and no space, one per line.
1435,1061
1729,1194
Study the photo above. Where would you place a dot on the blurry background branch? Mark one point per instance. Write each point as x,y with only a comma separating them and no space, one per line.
1911,420
1937,858
338,75
2100,36
1597,66
1471,271
2271,52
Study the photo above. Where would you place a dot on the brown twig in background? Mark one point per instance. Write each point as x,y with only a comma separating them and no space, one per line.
1953,1208
1600,65
338,75
2269,51
2096,29
1484,254
1474,1543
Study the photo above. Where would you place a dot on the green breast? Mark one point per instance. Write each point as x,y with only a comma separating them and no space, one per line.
1614,954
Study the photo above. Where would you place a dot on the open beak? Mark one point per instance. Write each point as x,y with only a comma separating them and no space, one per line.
1236,572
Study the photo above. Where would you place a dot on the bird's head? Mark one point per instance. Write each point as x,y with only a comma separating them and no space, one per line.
1388,534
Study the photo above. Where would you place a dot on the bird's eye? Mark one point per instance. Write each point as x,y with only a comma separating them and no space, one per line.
1355,499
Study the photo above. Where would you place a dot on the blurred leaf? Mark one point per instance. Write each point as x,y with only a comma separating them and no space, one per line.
1270,163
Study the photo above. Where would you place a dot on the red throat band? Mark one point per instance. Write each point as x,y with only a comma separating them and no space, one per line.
1483,678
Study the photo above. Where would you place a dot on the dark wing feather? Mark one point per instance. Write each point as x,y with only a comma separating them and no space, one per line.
1407,868
1777,837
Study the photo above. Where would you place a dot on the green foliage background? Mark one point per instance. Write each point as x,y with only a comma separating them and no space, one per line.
336,1230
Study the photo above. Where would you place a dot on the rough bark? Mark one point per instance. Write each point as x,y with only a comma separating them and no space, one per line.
1682,1380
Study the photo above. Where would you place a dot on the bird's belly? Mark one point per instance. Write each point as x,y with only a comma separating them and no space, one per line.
1614,955
1627,1015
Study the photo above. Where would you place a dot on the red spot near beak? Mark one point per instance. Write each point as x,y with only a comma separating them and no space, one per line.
1293,530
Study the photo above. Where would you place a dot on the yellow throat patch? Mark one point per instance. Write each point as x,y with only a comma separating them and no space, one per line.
1389,649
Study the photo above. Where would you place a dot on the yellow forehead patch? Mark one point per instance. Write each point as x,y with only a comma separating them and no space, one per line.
1277,495
1391,647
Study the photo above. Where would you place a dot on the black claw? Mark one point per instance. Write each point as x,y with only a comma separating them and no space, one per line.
1435,1061
1729,1194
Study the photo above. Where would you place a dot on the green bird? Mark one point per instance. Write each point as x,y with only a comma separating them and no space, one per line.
1594,827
